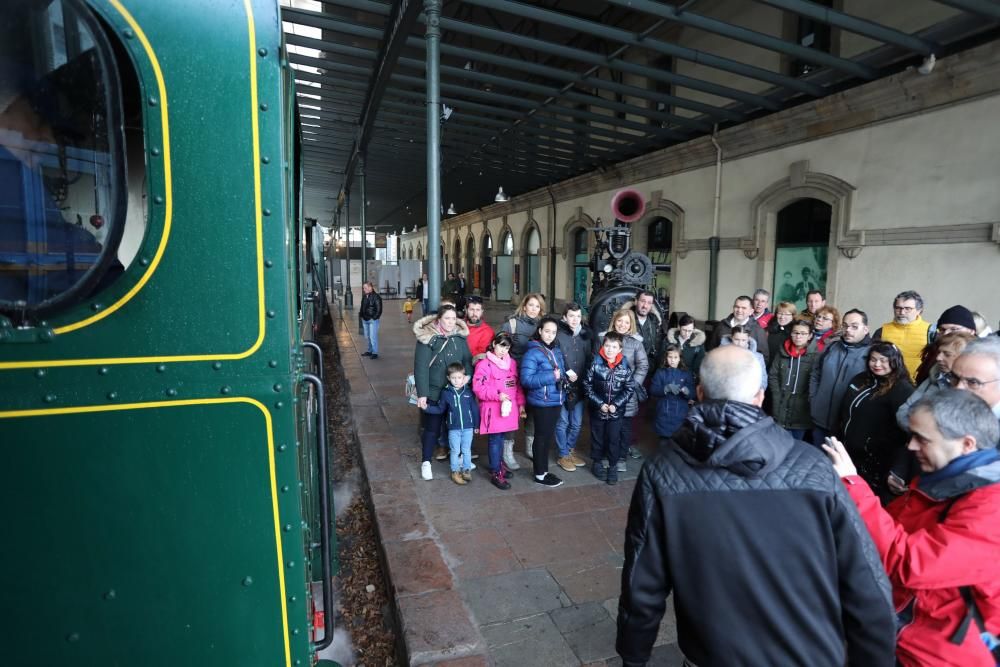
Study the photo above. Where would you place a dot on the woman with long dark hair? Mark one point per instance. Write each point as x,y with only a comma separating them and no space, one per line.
868,425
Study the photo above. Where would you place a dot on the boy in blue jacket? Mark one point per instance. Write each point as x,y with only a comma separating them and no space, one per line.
608,387
462,410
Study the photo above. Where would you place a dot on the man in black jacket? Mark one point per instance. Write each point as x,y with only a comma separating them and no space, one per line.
755,536
370,312
742,315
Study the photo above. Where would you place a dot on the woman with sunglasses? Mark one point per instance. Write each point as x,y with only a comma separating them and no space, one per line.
868,425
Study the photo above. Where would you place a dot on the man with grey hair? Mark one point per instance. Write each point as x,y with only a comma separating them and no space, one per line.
977,370
939,541
761,312
756,539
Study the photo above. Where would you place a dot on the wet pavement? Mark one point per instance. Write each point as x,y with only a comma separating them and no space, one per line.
481,576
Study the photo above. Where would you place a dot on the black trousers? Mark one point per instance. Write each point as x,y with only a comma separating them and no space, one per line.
546,419
605,439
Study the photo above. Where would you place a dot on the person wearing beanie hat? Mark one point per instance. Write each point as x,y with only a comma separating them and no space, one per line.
956,318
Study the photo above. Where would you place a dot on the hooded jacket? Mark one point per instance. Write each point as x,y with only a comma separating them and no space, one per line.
489,380
635,355
748,589
524,328
788,382
480,337
692,350
673,387
460,406
607,384
433,354
541,388
828,382
725,328
928,558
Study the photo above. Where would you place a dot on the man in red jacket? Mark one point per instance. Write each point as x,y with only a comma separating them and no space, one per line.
939,541
480,333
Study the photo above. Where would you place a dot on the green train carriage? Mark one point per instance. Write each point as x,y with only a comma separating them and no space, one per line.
165,477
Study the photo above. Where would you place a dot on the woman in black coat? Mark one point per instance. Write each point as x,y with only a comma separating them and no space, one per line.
868,415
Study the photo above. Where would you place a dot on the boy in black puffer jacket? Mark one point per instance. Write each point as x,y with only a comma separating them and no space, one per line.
608,388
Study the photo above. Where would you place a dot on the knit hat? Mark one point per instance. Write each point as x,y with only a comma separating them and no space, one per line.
959,315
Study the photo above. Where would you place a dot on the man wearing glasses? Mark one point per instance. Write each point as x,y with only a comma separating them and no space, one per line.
843,358
977,370
908,330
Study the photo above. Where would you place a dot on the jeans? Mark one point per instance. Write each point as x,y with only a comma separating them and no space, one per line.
568,427
494,444
371,334
545,432
429,433
424,305
460,443
606,439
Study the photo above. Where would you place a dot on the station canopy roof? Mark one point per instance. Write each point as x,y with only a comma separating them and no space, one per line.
537,92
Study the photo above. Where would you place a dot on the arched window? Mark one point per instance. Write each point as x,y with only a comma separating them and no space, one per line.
470,263
420,252
456,260
486,278
659,248
507,246
532,269
505,268
802,239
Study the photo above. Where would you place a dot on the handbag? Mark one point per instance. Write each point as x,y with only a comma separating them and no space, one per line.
410,389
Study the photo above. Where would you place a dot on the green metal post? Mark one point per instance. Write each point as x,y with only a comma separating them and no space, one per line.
364,244
432,12
348,296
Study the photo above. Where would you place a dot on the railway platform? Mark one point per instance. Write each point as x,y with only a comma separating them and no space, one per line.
480,576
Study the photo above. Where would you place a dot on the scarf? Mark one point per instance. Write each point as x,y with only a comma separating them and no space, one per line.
503,363
611,362
957,466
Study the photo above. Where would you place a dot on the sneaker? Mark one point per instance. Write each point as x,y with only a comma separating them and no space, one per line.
634,453
366,354
374,356
621,467
472,466
498,480
549,480
576,458
474,457
612,480
599,471
566,463
425,471
458,478
441,454
467,475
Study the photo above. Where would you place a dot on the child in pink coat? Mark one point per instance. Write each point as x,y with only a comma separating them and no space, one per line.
501,403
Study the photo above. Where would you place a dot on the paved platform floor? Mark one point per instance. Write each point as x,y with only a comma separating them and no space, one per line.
481,576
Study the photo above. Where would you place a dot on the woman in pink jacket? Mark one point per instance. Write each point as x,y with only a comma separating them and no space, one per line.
501,403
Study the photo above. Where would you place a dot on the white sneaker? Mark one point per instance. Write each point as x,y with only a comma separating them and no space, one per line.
425,471
472,466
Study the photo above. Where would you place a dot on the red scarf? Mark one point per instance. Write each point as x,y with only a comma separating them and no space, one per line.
793,351
611,362
821,341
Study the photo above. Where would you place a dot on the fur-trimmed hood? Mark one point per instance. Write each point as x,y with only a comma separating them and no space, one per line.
425,331
697,338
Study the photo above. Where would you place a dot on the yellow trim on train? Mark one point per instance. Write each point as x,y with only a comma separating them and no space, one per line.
48,412
168,219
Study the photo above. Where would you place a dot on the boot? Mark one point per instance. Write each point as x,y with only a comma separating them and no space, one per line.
529,440
508,455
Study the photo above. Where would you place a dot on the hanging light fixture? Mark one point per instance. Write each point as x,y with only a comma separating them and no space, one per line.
501,196
451,210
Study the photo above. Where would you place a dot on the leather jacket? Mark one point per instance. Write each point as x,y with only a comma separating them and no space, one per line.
371,306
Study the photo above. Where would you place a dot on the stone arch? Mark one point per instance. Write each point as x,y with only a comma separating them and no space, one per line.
803,184
531,260
577,222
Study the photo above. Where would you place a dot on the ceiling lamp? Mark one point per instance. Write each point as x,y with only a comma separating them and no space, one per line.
451,210
501,196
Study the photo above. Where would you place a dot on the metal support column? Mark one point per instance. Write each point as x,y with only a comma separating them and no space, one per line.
432,12
364,244
348,295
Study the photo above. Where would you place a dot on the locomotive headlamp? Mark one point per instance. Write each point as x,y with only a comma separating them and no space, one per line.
608,268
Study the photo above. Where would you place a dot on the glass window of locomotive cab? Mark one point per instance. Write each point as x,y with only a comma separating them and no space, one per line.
62,162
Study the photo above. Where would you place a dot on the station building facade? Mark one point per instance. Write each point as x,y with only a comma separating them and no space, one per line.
889,186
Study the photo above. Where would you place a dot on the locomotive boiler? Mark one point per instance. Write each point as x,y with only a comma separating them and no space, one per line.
619,273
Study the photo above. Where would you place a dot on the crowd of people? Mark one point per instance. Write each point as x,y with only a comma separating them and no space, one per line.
749,419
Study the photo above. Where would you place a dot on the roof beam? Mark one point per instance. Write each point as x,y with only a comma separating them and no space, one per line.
747,36
875,31
986,8
401,20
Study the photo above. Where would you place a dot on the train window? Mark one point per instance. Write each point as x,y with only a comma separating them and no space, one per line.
62,184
